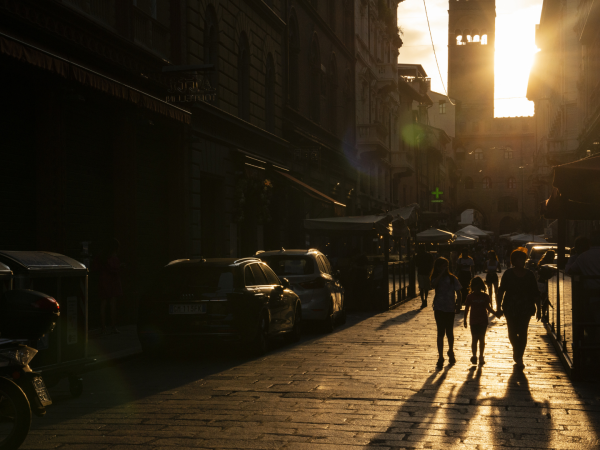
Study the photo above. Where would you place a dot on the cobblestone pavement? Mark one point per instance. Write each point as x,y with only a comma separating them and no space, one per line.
372,382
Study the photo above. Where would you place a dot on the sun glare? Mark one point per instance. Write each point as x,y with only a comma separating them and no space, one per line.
515,51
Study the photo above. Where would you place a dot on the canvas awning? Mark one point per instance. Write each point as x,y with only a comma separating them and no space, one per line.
576,193
312,192
433,235
471,230
527,237
355,224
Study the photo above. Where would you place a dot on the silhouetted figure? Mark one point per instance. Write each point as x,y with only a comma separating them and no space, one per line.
479,303
445,305
424,264
492,267
519,300
464,266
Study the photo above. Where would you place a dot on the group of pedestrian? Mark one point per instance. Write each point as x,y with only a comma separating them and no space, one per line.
517,298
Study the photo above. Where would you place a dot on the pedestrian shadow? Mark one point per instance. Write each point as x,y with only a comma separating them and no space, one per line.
415,417
400,319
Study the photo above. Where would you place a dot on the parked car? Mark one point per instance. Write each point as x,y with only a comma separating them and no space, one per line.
225,300
536,252
313,280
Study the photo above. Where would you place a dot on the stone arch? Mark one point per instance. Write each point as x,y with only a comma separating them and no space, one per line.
472,205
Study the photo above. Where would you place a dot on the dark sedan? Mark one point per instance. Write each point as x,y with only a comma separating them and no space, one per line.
225,300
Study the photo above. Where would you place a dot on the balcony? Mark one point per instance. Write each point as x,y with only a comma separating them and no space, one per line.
372,140
150,33
401,166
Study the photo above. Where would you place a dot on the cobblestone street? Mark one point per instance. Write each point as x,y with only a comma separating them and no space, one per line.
373,382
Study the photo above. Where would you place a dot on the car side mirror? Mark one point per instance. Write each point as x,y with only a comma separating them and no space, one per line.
285,283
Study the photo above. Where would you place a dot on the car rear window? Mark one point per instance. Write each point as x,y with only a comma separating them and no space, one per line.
291,265
209,278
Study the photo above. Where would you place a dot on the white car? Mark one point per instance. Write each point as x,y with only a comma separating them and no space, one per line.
312,279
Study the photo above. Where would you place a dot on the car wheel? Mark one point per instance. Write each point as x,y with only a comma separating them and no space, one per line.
297,330
329,321
261,340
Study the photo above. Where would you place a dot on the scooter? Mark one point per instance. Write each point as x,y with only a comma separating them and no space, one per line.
25,315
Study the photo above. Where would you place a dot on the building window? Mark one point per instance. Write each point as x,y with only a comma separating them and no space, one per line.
294,64
244,78
508,204
442,106
270,94
316,86
511,183
478,154
211,44
468,183
484,37
486,183
508,154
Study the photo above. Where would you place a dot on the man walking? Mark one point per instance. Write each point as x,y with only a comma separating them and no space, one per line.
424,263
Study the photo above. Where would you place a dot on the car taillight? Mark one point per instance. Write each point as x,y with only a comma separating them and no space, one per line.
317,283
46,304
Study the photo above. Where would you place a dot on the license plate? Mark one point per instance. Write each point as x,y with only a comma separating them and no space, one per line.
42,392
191,308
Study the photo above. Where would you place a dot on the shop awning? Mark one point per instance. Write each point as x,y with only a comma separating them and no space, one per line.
312,191
356,224
25,52
576,193
471,230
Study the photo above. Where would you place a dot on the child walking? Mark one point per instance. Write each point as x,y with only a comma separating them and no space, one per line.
479,303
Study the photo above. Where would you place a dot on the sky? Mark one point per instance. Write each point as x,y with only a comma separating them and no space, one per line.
515,47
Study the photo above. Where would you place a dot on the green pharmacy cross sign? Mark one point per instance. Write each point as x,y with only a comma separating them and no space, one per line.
437,194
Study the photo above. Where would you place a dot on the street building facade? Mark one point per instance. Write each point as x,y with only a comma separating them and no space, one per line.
494,156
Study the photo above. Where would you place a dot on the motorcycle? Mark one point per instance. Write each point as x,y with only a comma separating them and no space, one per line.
25,315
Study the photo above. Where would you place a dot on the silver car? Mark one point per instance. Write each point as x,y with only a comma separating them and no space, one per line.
312,279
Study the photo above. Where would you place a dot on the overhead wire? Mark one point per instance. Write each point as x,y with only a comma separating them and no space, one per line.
435,54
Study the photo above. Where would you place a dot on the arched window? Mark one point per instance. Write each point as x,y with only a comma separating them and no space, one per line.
294,64
468,183
333,100
467,36
244,78
270,93
478,154
484,38
315,80
511,183
508,153
211,45
476,38
486,183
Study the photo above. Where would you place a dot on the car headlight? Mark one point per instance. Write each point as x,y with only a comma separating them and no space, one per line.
22,355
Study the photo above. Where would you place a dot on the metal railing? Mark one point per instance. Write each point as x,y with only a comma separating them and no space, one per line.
398,281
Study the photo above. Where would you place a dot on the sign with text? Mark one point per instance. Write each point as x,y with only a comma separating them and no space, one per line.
190,87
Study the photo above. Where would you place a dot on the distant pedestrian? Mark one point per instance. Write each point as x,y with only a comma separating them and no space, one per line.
491,277
110,283
446,302
464,266
424,264
479,303
519,299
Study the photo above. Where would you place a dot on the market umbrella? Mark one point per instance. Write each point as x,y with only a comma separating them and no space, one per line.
524,238
466,240
471,230
433,235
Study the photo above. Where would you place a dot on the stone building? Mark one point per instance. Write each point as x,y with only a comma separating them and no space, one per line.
377,103
494,156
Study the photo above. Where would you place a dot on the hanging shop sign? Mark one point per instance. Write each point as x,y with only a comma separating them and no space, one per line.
190,84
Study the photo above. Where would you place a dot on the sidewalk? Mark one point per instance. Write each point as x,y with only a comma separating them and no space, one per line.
113,347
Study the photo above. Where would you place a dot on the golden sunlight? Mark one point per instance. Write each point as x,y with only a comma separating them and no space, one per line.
515,50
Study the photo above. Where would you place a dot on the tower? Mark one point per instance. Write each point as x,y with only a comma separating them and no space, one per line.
472,30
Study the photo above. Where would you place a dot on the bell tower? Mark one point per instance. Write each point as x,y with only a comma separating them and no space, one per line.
472,30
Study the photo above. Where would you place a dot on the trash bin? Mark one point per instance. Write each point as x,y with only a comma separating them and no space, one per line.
6,278
63,352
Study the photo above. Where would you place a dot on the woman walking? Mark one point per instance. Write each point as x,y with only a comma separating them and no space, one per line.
491,277
519,299
479,303
445,306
